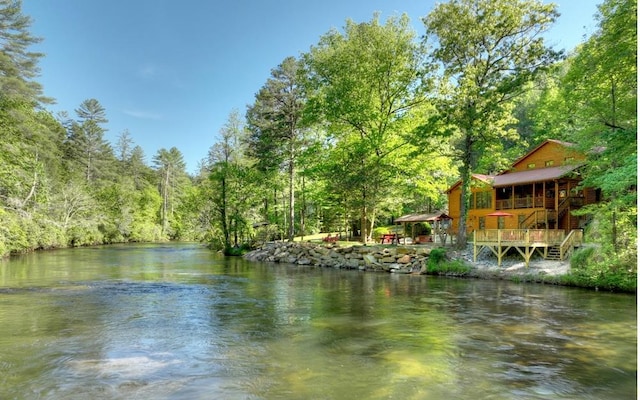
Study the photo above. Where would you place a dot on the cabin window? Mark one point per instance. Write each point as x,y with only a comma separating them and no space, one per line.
548,163
483,200
569,160
531,165
481,223
500,222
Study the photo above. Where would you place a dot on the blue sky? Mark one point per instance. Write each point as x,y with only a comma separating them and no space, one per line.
171,71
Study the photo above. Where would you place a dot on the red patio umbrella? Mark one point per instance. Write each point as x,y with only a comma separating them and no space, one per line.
500,214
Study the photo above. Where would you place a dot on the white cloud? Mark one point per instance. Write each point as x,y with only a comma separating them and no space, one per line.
143,114
148,71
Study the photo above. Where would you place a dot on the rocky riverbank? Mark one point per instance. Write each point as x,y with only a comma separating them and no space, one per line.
400,259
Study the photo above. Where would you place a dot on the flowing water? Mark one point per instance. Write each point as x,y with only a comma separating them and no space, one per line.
176,321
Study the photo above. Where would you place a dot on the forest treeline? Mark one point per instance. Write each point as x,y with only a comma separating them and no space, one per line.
374,121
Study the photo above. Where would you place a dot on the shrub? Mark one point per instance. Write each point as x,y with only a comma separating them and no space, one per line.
590,269
423,228
237,250
437,255
379,231
439,265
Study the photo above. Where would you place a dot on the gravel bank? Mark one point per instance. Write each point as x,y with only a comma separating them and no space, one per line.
487,263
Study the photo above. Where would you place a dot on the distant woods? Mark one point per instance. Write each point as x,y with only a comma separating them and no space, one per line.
376,120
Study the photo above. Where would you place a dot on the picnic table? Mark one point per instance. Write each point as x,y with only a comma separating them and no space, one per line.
389,238
331,239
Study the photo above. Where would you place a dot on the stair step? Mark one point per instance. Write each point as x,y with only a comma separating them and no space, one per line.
553,253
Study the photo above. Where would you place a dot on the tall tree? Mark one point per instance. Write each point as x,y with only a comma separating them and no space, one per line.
275,121
367,81
227,165
599,93
170,167
139,170
124,150
18,65
29,153
487,50
86,146
28,136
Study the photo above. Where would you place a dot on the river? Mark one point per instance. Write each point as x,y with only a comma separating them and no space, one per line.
177,321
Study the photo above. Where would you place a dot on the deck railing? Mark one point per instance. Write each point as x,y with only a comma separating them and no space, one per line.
520,202
524,236
573,239
538,217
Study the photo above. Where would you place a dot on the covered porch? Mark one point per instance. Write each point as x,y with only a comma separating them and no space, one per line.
440,225
540,188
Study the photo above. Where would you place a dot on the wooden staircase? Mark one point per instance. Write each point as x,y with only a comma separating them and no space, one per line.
562,251
546,218
553,253
539,219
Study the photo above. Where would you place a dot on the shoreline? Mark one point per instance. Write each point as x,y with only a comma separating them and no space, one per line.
406,259
513,266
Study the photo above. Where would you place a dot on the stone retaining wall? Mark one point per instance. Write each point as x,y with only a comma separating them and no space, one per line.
399,259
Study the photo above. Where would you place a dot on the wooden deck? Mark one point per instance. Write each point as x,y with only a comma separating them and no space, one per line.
550,243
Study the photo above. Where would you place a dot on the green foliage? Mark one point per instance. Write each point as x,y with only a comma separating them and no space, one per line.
237,250
170,168
367,113
88,155
85,234
145,226
231,187
370,122
437,255
17,233
18,65
379,231
590,269
484,70
438,264
276,121
423,228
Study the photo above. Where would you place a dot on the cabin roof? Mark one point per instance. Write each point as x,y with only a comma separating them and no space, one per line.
488,179
534,175
423,217
559,142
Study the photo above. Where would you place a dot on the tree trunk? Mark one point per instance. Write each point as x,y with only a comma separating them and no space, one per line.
302,211
372,222
465,191
363,217
292,200
165,201
223,212
32,191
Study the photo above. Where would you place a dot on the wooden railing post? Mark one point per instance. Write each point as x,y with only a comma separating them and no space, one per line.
546,236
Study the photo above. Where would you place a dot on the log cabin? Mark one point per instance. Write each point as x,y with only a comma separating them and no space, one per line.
528,206
539,191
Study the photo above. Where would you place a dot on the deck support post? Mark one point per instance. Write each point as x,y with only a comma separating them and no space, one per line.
528,252
475,247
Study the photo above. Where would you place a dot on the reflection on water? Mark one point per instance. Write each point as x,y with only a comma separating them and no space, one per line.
178,322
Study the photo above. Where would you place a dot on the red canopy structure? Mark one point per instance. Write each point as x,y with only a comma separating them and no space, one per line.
500,214
432,217
439,223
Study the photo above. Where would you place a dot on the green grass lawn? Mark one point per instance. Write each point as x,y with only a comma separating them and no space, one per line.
317,238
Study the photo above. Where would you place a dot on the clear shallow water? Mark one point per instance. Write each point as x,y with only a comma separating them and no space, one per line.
176,321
